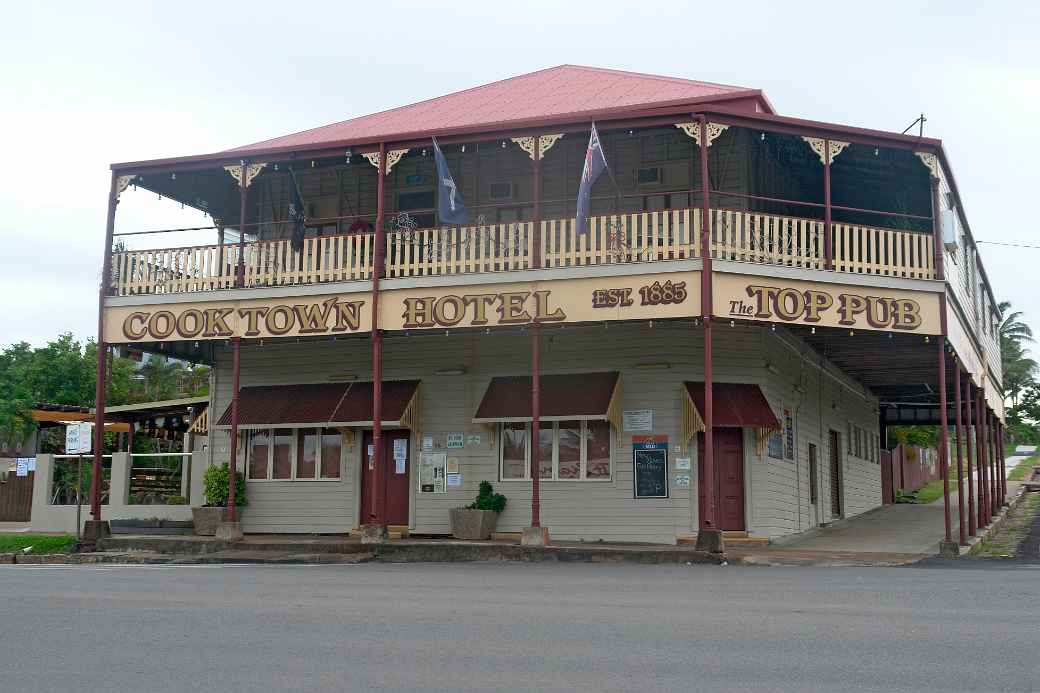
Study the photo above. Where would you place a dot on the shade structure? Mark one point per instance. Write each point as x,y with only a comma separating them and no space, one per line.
324,404
567,396
734,405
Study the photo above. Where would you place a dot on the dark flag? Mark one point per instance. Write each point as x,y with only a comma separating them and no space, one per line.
297,215
450,207
595,164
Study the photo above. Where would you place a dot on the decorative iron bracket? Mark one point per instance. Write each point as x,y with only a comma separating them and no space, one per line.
930,161
544,142
694,130
392,157
251,172
122,183
825,148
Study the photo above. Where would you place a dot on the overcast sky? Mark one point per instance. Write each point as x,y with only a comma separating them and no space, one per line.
88,83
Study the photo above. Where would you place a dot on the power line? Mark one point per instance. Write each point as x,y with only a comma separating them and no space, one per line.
1010,245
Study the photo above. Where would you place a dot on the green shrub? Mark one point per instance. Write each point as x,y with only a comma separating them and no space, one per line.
487,499
176,500
215,487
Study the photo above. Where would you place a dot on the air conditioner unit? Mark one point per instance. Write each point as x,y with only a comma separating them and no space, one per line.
950,232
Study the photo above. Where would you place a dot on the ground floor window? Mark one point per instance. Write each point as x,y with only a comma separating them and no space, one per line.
568,451
301,454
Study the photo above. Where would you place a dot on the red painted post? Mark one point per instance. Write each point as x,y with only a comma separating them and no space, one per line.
828,238
968,429
99,385
944,438
240,270
536,241
1003,460
536,361
994,476
709,511
378,269
236,369
958,436
980,423
536,405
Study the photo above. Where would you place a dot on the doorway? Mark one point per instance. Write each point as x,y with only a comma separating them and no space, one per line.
394,473
728,444
837,483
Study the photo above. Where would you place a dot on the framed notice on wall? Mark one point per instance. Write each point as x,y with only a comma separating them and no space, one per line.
650,466
432,472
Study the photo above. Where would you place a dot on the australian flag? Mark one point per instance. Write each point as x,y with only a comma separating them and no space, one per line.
450,208
595,164
297,215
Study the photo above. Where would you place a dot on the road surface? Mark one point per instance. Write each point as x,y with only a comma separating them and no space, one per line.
510,626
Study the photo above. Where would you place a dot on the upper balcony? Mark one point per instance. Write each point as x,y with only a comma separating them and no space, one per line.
653,236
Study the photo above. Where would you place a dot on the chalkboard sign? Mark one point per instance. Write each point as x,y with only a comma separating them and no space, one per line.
650,468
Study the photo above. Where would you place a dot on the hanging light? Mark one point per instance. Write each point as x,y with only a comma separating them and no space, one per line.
763,137
173,176
462,149
813,330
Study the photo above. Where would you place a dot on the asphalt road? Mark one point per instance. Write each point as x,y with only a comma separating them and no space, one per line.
494,627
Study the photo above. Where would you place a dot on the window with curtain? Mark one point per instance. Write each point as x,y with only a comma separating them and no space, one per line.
301,454
568,451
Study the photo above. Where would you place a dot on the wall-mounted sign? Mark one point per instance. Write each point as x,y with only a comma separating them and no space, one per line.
453,465
638,420
455,440
78,438
427,443
682,464
650,466
431,472
473,439
454,479
21,467
824,304
682,481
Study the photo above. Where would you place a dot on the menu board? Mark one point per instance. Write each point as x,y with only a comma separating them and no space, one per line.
650,466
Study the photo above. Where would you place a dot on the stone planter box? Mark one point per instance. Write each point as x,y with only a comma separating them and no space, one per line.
473,524
207,519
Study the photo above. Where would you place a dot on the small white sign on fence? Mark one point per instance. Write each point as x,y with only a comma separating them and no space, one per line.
77,438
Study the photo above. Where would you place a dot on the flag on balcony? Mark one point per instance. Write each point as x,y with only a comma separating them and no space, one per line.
595,165
450,207
297,215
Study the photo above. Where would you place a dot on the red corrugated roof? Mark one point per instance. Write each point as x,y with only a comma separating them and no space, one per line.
566,90
320,403
735,405
585,395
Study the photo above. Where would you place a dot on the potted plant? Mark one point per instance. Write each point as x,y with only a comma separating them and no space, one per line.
215,489
478,520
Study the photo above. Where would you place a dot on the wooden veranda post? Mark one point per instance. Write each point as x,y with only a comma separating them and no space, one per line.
970,454
536,335
958,436
375,512
944,441
708,537
102,361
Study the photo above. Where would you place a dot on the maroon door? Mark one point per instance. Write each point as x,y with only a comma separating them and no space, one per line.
393,477
814,476
729,477
836,481
887,489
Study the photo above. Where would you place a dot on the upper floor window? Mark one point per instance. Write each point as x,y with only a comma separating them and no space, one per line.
568,451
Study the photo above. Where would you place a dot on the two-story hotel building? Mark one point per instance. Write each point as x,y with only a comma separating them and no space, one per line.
757,297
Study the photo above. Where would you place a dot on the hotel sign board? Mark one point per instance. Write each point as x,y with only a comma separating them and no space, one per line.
630,297
771,299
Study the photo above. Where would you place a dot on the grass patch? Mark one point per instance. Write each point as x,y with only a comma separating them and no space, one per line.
929,493
1004,544
1024,468
40,543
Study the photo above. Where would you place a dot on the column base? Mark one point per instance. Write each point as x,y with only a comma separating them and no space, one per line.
949,549
93,530
229,531
535,536
710,540
374,534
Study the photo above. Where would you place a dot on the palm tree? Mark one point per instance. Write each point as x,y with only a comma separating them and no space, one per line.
1019,370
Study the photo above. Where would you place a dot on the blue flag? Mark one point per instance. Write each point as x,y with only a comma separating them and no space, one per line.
595,164
450,207
297,215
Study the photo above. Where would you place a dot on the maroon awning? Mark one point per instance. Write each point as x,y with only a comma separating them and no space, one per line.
339,404
735,405
568,396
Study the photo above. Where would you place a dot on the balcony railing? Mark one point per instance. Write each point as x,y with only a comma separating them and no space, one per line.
623,238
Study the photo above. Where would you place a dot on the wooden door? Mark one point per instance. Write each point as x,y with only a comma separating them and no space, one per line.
836,480
394,475
728,444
